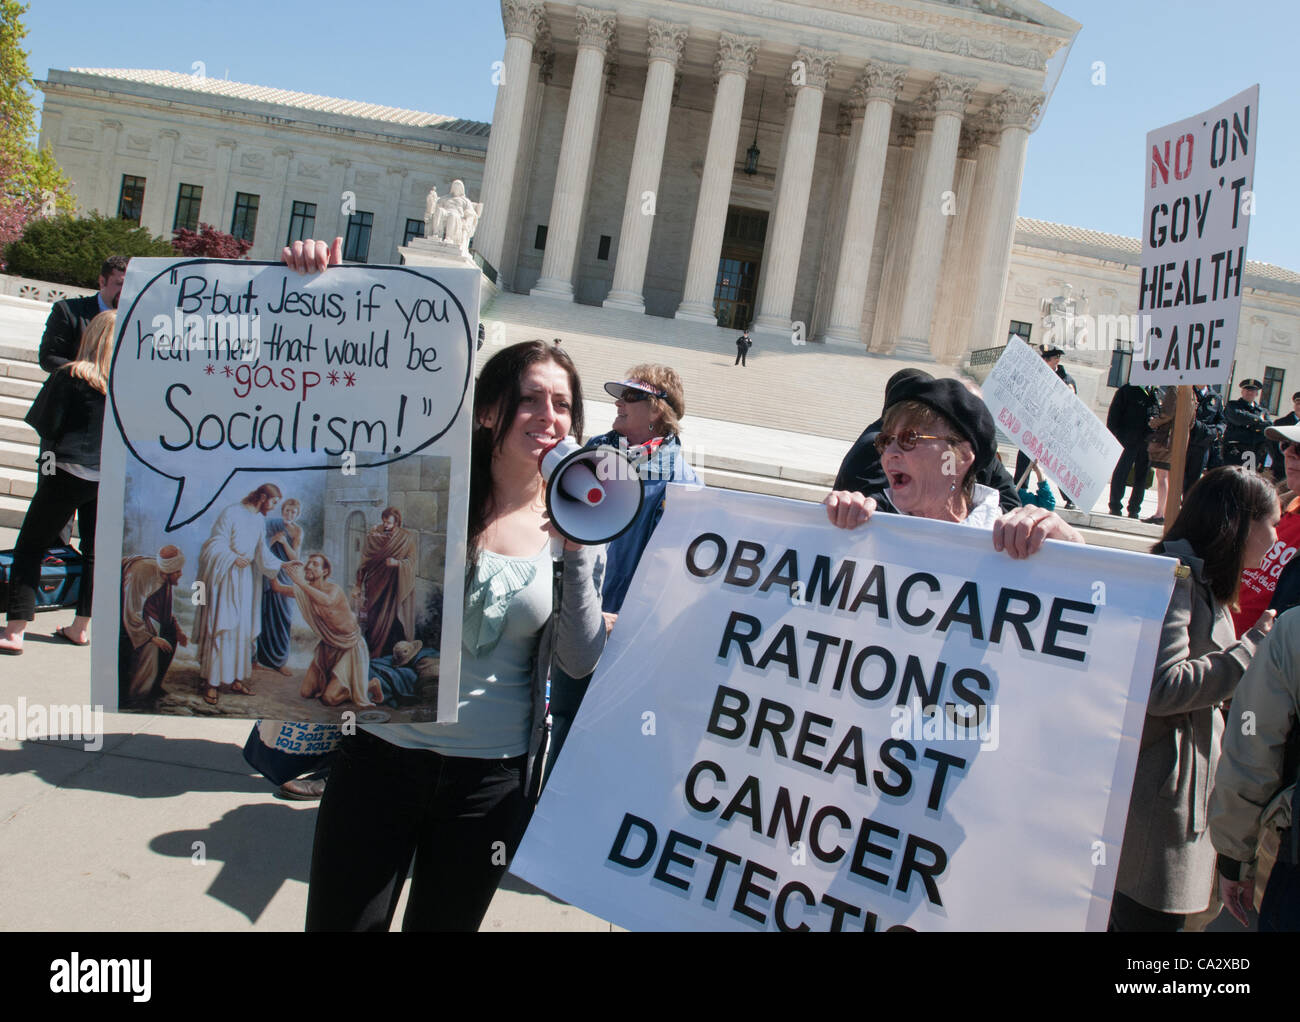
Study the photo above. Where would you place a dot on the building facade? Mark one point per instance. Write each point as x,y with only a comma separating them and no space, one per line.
839,170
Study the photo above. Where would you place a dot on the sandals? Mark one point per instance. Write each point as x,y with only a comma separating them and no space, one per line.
240,689
210,696
62,633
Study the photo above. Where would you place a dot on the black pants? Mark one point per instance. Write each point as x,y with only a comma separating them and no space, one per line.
57,497
1131,458
1129,916
1197,457
459,818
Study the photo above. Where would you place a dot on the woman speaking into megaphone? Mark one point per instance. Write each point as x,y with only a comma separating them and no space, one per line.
447,795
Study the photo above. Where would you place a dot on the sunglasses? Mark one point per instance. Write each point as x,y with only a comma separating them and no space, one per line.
1285,445
632,397
907,440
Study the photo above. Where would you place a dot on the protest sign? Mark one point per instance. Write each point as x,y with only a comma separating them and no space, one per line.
1046,420
1199,181
800,727
284,490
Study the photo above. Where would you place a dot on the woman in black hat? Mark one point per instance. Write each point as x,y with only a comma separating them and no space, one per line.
934,434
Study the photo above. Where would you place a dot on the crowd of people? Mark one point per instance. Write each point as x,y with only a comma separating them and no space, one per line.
1214,793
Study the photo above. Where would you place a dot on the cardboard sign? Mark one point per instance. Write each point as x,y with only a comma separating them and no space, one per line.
1198,176
801,727
284,490
1045,419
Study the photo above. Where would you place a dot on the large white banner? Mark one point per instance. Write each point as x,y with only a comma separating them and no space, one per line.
800,727
1199,181
285,480
1046,420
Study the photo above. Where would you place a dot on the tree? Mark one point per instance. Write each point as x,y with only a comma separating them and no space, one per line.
31,183
70,250
210,243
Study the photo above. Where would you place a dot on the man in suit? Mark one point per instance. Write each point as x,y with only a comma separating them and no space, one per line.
1130,409
69,317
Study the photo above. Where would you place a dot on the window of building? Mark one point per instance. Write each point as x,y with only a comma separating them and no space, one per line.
302,224
414,229
188,200
1121,362
356,246
1021,330
602,251
131,203
1272,395
243,224
539,242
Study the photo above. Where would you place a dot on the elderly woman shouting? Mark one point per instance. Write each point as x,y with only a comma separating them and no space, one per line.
934,434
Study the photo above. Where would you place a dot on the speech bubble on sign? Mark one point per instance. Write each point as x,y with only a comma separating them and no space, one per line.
223,367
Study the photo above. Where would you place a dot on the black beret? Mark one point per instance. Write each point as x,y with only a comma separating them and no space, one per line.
902,376
950,398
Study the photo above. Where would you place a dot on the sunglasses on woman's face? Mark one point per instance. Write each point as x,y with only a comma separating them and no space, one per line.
907,440
1285,445
632,397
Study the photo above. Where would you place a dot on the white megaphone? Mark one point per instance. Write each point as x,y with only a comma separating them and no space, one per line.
593,496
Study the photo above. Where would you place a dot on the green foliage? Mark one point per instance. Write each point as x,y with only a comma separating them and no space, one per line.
70,250
31,183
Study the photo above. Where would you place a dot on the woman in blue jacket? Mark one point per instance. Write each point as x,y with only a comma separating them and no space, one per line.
649,406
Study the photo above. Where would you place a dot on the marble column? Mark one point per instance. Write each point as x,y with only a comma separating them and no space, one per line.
397,227
523,20
952,278
914,137
158,188
947,96
110,190
878,85
577,150
664,50
334,223
785,241
961,267
1015,110
848,128
791,92
540,70
271,233
225,156
735,60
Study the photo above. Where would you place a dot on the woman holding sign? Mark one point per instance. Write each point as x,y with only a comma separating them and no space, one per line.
453,797
934,434
1166,865
69,416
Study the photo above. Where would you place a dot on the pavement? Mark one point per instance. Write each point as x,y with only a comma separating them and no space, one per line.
165,827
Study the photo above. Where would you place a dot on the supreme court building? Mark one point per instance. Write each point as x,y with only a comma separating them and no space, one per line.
843,170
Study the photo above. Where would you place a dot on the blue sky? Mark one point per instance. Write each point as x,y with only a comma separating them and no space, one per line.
1163,62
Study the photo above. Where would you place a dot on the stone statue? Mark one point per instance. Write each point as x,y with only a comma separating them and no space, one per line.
453,218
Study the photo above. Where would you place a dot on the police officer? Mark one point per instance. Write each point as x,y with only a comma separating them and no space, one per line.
1243,442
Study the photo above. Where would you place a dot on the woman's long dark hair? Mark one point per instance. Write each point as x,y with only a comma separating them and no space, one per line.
498,389
1215,519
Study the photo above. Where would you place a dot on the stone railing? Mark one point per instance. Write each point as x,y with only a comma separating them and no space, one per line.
39,290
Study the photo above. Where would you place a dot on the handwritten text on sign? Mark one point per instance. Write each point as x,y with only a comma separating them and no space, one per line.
1046,420
798,727
226,366
1198,177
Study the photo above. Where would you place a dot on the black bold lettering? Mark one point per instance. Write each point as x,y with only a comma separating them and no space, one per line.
618,856
873,592
965,609
748,887
783,720
817,581
693,775
1018,620
835,853
721,554
888,748
808,899
904,614
864,847
670,857
806,738
749,556
735,714
781,650
1056,625
928,871
732,634
887,678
